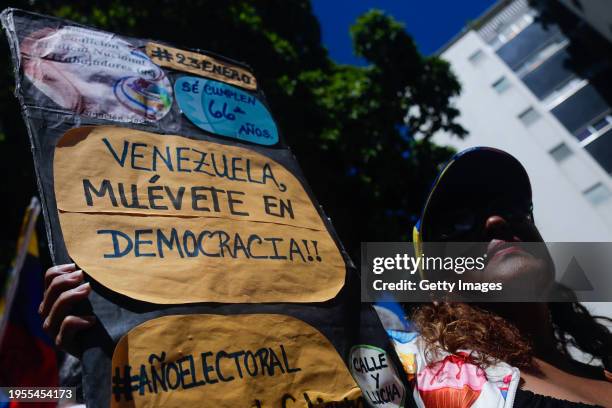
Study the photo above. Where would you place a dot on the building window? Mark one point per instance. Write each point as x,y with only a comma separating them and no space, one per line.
476,57
600,148
602,123
550,75
598,127
581,109
501,85
529,116
560,153
526,45
563,92
597,194
508,32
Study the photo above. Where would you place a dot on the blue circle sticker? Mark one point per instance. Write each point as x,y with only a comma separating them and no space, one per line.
225,110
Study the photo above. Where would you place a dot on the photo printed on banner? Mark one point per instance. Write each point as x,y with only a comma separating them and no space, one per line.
96,74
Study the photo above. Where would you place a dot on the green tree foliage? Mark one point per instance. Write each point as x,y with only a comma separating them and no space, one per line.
361,134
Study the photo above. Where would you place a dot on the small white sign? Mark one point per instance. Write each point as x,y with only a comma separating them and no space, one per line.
377,377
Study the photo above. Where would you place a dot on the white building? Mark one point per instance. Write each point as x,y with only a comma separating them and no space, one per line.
520,95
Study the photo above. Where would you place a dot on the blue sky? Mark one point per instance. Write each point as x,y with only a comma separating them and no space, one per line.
430,22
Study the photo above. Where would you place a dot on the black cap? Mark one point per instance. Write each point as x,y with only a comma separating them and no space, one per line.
470,175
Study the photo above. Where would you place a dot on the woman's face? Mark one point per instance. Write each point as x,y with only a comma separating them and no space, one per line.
500,228
516,254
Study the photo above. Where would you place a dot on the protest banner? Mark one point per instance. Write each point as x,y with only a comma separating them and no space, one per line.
217,278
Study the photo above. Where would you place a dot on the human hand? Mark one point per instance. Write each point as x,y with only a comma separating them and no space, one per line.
64,289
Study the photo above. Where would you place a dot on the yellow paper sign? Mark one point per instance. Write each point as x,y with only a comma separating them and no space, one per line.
167,219
199,64
253,360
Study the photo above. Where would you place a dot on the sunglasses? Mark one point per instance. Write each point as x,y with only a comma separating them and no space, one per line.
465,223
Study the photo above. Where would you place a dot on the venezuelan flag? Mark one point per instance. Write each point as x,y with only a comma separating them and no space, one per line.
27,355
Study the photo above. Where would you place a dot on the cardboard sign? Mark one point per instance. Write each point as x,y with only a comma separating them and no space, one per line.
225,110
106,169
213,227
95,74
135,206
199,64
251,360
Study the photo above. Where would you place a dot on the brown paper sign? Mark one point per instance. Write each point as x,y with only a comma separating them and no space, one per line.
202,65
251,360
167,219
